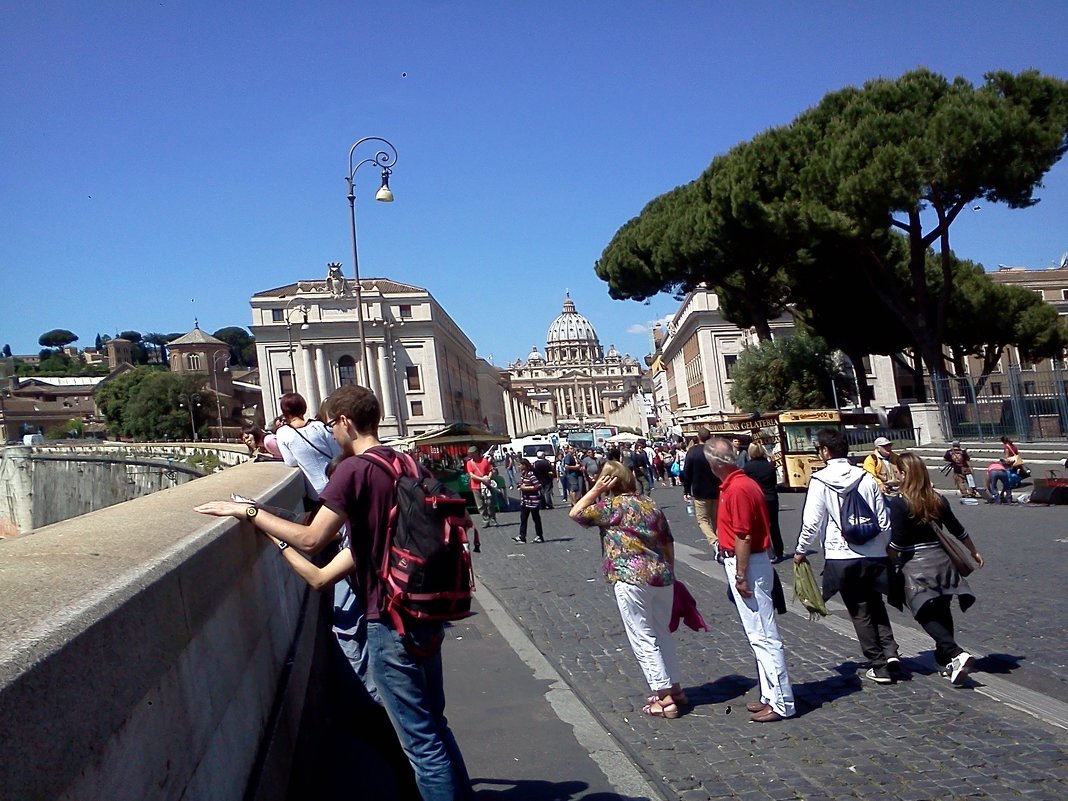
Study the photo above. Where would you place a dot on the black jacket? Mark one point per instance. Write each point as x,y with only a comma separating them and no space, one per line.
762,471
698,479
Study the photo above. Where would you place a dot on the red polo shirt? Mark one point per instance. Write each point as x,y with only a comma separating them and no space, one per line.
742,510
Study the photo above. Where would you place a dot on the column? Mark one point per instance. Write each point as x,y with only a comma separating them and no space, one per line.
371,354
386,383
311,392
323,371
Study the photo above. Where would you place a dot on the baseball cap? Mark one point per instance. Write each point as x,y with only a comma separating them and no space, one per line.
541,454
883,441
956,443
473,449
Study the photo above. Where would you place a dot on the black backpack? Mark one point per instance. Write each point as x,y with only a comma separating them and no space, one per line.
858,522
426,570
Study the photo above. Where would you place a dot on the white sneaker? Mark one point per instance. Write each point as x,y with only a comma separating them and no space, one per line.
958,667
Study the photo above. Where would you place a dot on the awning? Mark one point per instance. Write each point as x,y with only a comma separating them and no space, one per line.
460,433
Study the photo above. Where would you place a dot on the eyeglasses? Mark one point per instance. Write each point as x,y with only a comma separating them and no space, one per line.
332,423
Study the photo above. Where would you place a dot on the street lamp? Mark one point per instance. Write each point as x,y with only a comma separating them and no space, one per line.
384,160
190,399
289,331
215,380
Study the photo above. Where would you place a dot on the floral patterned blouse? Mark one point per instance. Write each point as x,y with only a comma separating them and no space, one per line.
636,536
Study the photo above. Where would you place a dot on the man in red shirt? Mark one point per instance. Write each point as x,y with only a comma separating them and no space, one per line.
480,474
744,537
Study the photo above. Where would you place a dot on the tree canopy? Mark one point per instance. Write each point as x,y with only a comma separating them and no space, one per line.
805,213
57,338
242,345
153,404
789,373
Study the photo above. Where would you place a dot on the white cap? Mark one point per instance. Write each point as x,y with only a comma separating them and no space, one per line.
883,441
541,454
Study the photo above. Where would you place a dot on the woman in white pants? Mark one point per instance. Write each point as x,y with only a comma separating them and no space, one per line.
639,563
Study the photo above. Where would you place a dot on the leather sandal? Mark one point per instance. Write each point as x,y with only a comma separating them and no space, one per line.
679,698
755,707
658,709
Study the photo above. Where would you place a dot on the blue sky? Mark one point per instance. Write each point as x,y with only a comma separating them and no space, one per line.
165,160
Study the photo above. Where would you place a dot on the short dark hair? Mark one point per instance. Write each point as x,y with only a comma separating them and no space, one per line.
704,434
294,405
357,403
834,441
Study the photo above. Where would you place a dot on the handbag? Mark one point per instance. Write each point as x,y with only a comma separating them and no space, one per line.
957,551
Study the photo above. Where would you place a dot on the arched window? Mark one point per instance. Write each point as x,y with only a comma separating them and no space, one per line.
194,361
346,370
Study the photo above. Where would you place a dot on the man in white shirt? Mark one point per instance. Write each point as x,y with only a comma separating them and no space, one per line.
859,572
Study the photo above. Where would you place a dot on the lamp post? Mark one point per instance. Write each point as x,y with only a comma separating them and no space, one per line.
384,160
289,332
190,399
225,354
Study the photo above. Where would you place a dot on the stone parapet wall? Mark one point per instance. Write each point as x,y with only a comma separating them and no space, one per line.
143,648
46,484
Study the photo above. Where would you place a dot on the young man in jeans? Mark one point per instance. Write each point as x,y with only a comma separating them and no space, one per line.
411,688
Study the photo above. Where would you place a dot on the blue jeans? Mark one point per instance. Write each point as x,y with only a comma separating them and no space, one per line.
996,477
413,693
350,628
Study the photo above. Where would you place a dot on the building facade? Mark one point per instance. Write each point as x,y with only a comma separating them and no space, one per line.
697,355
421,366
576,384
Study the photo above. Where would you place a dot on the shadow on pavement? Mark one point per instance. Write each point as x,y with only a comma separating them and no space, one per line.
537,790
720,691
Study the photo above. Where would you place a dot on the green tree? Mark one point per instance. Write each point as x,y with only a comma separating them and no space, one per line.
7,351
151,403
906,154
789,373
57,338
159,342
242,345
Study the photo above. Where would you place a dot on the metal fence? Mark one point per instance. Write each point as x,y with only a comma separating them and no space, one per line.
1027,405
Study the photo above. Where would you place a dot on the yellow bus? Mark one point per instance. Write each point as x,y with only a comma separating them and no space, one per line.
788,437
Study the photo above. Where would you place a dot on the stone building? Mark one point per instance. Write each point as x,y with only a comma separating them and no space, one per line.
576,381
420,364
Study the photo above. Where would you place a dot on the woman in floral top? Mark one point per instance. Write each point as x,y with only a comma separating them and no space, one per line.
639,563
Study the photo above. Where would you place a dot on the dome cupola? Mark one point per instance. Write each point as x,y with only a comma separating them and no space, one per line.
571,337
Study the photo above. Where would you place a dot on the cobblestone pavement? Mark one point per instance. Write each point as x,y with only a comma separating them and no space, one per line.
919,739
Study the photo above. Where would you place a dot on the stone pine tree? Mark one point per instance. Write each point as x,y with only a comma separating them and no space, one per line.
809,209
789,373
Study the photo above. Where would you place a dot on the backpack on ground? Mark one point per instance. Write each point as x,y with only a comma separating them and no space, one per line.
426,568
858,522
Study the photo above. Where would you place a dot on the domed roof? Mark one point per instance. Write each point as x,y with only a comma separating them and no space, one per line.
534,355
571,326
612,353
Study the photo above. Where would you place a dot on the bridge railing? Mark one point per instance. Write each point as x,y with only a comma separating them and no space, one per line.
147,651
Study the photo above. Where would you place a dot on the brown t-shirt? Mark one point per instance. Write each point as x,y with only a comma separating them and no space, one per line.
363,492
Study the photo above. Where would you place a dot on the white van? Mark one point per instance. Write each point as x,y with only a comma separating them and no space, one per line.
528,447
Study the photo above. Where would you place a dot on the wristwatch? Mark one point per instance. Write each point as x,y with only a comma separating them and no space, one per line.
251,511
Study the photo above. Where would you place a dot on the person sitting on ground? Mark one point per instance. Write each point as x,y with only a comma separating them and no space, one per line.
639,563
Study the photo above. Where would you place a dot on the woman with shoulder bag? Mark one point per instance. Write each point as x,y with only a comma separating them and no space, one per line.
930,577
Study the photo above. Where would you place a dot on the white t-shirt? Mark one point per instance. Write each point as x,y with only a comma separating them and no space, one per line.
310,448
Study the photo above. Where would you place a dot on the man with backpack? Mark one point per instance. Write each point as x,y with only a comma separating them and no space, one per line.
845,509
406,668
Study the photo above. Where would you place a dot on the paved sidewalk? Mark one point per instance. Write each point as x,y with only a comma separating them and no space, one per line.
919,739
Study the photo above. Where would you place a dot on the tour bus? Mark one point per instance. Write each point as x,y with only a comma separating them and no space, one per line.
788,437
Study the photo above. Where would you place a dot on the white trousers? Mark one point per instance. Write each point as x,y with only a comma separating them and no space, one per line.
757,614
646,614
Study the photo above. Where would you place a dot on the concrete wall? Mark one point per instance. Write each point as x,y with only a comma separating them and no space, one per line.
143,648
44,485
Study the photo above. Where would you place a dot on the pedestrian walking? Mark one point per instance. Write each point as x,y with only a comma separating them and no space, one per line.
859,572
760,468
545,473
529,502
700,485
931,580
